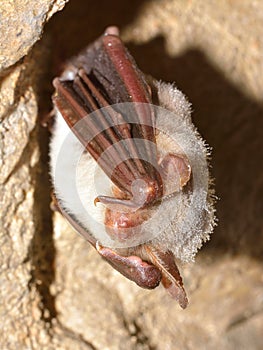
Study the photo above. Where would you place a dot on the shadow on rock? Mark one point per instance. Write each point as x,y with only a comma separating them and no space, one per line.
232,125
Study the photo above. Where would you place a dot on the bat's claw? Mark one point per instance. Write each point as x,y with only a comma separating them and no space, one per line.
116,203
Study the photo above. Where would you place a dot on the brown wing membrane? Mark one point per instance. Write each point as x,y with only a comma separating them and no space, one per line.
171,278
106,74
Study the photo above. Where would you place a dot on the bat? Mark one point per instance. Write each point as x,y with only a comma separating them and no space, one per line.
128,167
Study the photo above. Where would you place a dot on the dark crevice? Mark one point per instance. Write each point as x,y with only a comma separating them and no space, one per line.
242,319
42,249
142,341
141,337
75,336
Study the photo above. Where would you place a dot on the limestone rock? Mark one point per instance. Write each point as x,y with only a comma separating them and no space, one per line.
21,25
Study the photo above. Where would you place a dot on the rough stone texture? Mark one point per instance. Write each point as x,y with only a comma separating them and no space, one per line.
21,25
98,304
56,292
22,261
20,314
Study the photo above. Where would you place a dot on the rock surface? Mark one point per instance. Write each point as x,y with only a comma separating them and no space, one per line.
21,25
56,292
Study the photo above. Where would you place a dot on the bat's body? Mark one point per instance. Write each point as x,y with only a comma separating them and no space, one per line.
148,201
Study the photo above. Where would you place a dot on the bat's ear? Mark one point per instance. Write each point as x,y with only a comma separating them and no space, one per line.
144,274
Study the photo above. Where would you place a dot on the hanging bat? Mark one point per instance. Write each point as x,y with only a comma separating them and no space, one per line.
129,169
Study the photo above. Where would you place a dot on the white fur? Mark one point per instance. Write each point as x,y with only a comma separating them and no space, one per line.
182,222
72,172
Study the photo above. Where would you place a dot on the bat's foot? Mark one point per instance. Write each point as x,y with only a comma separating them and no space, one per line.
144,274
54,203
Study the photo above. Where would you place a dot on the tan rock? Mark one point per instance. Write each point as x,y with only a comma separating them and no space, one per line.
20,310
21,25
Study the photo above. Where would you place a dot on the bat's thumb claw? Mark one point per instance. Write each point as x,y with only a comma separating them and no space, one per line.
98,246
96,200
